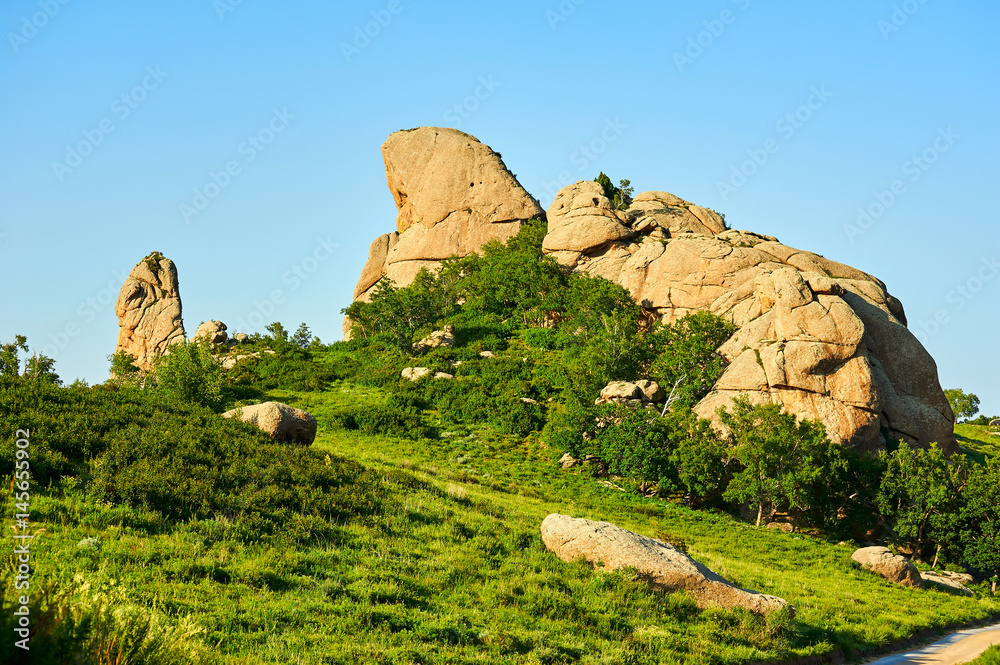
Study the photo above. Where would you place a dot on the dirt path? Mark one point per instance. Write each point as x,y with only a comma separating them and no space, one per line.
960,647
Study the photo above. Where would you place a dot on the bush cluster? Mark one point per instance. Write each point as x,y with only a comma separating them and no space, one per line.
138,448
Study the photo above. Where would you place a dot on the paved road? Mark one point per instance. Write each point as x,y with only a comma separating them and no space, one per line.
960,647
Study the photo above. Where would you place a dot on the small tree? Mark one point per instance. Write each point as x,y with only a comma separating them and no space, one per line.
10,363
964,405
921,492
620,196
303,336
189,373
398,312
123,368
37,368
981,518
687,356
780,457
278,332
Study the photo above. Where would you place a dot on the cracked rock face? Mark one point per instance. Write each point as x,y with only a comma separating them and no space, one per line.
823,339
453,193
149,310
659,564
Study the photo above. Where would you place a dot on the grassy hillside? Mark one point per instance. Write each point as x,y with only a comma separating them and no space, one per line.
978,441
434,556
408,532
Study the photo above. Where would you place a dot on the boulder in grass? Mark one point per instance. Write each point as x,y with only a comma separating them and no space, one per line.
660,564
414,373
951,582
279,421
893,567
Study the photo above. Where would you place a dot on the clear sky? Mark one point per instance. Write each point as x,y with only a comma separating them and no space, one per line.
787,117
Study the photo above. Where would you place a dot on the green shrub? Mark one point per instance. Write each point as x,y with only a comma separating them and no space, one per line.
780,458
98,626
687,356
384,420
921,493
190,373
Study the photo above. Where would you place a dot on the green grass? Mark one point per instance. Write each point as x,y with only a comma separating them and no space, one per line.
978,441
989,657
455,571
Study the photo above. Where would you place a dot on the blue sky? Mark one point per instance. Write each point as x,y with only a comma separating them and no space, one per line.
787,117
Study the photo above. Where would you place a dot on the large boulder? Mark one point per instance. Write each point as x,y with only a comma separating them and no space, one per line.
824,340
893,567
149,311
950,582
453,194
279,421
213,331
660,564
581,218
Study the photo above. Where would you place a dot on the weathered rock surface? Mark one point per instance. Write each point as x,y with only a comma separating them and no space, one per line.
651,390
415,373
631,393
279,421
893,567
453,194
213,331
437,339
826,341
661,565
949,582
149,311
581,218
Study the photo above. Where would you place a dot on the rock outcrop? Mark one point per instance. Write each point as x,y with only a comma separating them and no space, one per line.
660,564
893,567
213,331
950,582
453,194
279,421
437,339
823,339
631,393
149,311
